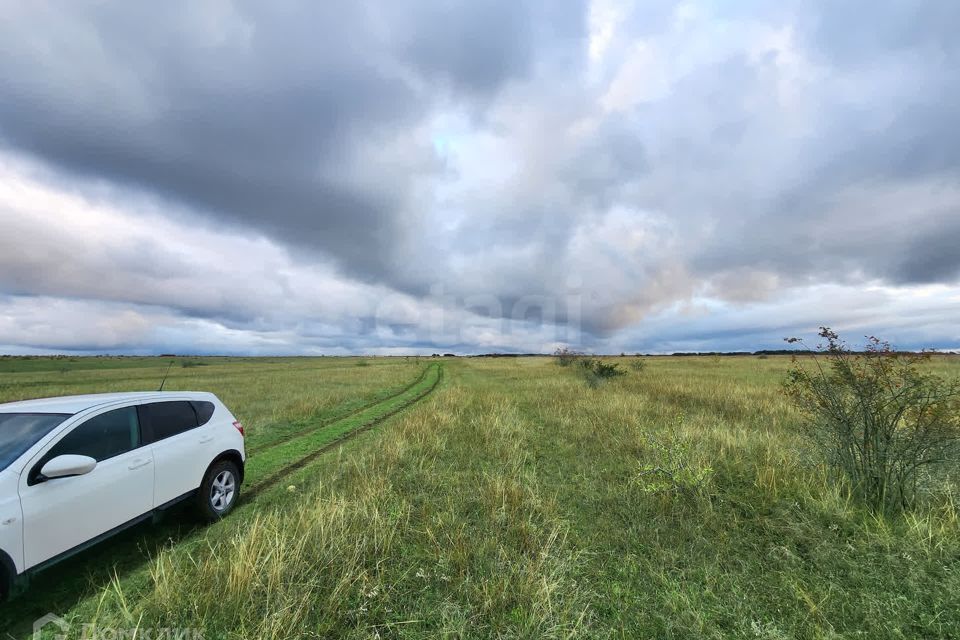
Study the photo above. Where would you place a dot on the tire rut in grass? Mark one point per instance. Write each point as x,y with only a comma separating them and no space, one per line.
272,478
292,436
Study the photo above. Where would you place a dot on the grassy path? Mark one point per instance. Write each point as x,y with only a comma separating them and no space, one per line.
390,395
268,467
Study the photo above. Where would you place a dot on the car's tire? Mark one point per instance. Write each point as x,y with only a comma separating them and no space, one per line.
6,583
219,492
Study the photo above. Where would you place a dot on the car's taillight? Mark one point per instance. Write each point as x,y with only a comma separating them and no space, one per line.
239,427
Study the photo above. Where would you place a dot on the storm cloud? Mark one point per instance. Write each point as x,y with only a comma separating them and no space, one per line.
359,176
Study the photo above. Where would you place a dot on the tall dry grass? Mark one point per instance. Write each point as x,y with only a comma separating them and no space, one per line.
437,527
507,505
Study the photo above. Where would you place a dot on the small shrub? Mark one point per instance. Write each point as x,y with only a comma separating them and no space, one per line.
607,369
596,371
638,365
881,422
672,468
566,356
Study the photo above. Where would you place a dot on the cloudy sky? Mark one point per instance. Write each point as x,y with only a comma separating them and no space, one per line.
505,175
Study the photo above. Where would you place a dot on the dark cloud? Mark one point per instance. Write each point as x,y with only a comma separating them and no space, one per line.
602,167
815,186
932,256
471,47
270,115
857,32
497,152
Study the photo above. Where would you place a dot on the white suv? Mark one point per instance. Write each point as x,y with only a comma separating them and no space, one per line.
77,469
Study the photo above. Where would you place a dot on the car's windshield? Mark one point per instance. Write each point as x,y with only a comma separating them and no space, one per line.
20,431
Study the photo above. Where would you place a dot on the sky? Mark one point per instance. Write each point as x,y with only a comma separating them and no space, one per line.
401,177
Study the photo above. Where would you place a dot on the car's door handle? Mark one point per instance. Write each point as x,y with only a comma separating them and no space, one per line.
205,439
141,462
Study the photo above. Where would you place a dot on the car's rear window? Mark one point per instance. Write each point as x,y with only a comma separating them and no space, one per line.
169,418
20,431
204,411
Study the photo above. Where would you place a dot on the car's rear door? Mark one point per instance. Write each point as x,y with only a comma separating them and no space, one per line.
62,513
182,446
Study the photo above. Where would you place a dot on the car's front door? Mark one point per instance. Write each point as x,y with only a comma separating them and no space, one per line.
62,513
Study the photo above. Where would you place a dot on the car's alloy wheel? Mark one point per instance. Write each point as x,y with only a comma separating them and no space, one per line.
220,491
223,490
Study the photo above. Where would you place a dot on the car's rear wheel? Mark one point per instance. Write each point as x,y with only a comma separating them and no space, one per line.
6,583
219,491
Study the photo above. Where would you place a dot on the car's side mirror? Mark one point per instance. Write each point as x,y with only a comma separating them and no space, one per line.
67,465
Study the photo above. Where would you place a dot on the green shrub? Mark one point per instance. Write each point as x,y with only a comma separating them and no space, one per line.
566,356
638,365
603,369
596,371
671,467
880,420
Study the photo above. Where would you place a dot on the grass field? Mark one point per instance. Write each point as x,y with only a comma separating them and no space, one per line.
506,498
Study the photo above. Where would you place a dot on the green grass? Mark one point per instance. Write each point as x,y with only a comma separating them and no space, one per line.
509,503
273,397
276,458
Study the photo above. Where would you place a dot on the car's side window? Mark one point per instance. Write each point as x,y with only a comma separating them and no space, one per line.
101,437
204,411
169,418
